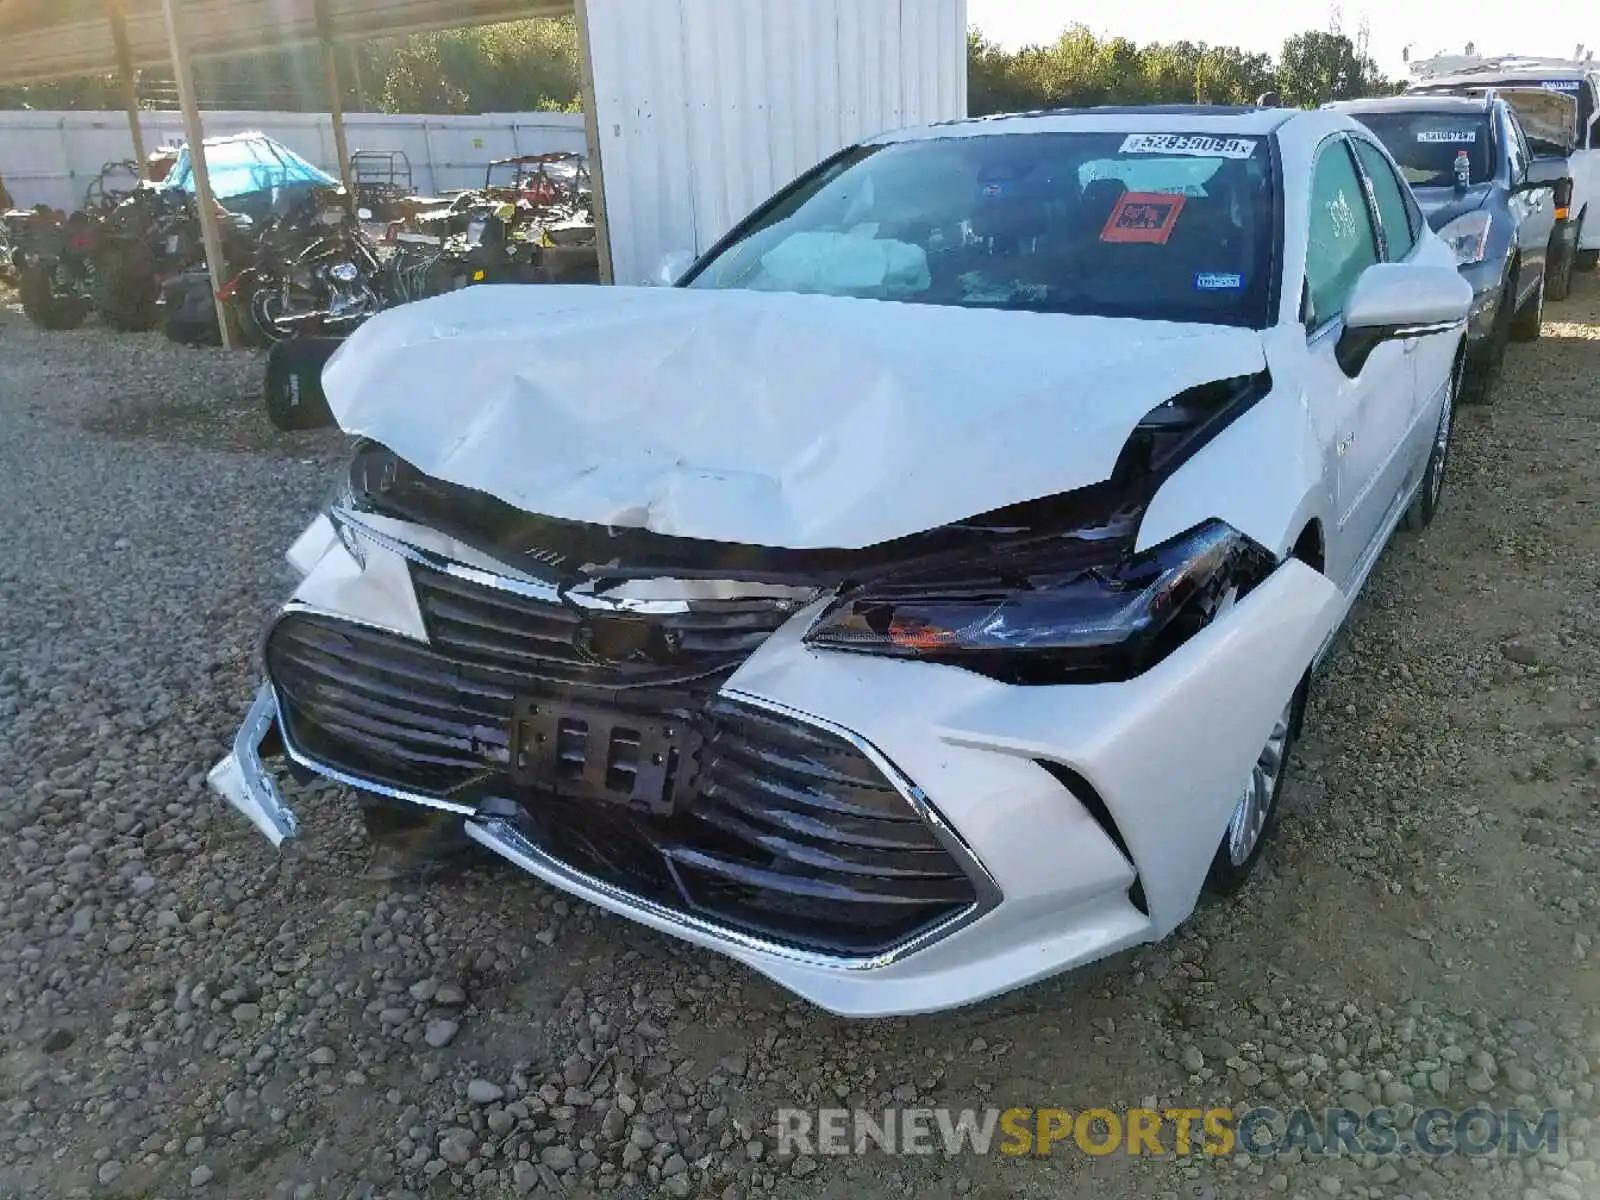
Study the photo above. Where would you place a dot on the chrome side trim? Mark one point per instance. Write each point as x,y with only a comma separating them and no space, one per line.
1427,330
243,781
531,588
580,595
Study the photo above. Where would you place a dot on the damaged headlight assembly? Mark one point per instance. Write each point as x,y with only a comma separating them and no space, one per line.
1024,616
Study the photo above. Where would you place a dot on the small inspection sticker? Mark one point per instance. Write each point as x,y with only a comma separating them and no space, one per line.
1197,144
1146,217
1218,281
1449,136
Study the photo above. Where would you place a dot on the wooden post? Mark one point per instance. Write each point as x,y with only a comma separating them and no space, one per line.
341,145
330,67
591,129
195,133
116,13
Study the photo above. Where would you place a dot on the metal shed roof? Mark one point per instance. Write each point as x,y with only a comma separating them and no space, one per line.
52,39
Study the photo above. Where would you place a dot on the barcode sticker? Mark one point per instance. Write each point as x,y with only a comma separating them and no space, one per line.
1197,144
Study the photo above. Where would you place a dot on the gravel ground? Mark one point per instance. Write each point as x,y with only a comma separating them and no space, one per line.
189,1014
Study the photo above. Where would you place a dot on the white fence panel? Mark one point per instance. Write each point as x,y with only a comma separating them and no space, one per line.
706,107
51,157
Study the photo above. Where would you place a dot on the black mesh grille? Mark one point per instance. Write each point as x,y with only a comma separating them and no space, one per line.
785,831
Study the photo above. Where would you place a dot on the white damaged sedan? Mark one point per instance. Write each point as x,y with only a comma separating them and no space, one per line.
919,598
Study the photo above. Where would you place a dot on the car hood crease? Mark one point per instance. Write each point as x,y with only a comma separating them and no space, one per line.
767,419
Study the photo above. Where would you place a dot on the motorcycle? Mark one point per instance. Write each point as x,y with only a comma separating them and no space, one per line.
313,270
111,257
56,276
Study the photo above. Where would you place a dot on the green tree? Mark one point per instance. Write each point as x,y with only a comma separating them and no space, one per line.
1316,67
1081,69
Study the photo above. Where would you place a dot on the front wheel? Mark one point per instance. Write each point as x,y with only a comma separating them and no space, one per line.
1426,505
264,307
293,387
1486,360
128,290
1529,321
1255,816
47,307
1558,284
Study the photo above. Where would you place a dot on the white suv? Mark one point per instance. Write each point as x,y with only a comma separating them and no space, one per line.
1578,78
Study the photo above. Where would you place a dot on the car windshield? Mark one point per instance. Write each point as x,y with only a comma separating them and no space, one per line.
1426,144
1163,226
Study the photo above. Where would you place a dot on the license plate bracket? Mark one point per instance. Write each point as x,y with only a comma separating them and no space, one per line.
648,763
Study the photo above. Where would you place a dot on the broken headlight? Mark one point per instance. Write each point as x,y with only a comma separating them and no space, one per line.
1027,616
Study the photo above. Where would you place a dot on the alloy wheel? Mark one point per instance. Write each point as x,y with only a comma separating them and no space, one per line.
1441,438
1259,792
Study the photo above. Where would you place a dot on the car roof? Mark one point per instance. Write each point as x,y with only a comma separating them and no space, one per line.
1222,120
1417,102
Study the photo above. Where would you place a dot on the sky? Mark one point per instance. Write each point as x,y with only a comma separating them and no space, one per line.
1428,26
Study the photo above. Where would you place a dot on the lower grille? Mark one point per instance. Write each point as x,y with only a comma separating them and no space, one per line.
776,828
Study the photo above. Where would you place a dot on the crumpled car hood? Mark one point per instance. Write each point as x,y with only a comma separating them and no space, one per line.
771,419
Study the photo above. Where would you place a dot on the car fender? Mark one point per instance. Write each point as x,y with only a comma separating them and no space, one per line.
1264,475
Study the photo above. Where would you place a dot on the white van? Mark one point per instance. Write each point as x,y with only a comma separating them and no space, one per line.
1576,78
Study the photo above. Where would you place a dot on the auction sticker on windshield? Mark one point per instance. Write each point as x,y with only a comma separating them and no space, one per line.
1199,144
1143,217
1447,135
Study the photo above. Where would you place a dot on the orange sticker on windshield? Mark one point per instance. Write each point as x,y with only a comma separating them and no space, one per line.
1143,217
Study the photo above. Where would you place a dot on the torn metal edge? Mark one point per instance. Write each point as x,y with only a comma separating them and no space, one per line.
242,778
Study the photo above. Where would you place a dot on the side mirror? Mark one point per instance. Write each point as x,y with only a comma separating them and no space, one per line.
1543,173
1399,300
671,268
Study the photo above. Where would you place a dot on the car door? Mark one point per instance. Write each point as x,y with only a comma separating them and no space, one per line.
1373,410
1532,211
1585,160
1400,223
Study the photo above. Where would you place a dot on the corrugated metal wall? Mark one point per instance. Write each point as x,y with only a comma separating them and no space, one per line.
706,107
50,157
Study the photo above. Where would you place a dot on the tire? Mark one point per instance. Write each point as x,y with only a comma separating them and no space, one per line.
1528,324
1558,286
1586,260
128,293
293,386
261,317
1256,818
1431,490
44,308
1485,364
251,333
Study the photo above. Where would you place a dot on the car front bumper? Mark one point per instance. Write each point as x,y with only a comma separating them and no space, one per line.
1089,815
1488,280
